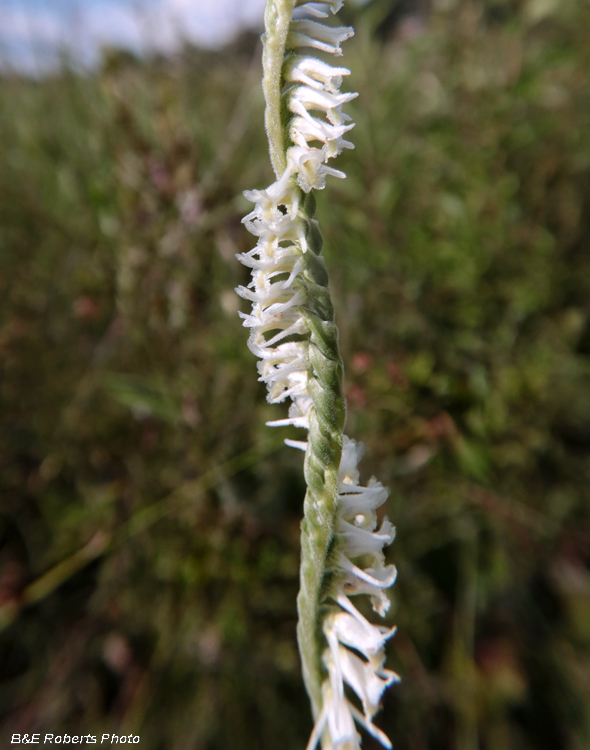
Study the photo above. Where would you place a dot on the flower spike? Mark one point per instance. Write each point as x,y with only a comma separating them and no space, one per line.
293,333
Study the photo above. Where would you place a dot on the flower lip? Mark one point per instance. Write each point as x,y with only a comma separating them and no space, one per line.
306,33
319,8
314,73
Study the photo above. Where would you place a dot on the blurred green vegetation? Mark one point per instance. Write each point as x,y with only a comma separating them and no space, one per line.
149,521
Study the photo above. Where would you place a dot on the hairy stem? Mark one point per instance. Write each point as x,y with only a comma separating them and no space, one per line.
321,462
277,17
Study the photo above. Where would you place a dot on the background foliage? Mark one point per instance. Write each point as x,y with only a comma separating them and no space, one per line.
149,521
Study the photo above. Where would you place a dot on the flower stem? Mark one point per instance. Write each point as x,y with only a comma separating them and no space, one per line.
277,17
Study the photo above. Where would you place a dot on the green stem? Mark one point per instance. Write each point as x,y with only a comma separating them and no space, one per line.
322,462
316,536
277,18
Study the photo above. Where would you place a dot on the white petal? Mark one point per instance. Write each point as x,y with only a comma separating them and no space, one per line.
370,581
313,98
371,728
352,452
334,5
365,638
354,499
358,541
306,33
339,719
366,682
318,728
324,101
312,171
295,422
383,578
315,73
299,444
305,128
356,631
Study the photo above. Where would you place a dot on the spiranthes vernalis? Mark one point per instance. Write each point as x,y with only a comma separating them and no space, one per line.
294,334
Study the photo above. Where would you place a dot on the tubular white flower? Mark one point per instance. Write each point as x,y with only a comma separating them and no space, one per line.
329,103
293,334
310,167
314,73
307,33
322,96
347,632
319,8
306,128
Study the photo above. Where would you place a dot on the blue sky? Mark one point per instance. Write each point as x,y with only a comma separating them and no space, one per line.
31,31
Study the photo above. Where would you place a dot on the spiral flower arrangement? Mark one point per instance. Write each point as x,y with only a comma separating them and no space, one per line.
292,331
